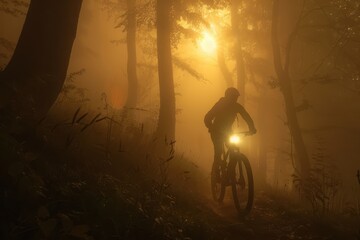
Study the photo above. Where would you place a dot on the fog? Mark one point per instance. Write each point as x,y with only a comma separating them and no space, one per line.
104,61
324,85
100,49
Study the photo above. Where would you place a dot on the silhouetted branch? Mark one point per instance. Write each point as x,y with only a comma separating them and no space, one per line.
189,69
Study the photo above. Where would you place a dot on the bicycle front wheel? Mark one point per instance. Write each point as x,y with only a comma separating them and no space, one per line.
242,184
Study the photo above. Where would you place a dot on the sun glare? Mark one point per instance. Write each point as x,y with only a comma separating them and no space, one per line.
207,43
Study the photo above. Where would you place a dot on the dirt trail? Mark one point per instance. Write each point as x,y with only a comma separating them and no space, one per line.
269,220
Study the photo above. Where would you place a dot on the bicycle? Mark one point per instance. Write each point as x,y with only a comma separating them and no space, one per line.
235,171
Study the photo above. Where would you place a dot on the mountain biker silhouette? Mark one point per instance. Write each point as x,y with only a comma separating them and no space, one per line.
219,121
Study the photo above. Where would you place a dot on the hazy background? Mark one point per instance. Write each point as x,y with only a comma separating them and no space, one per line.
331,123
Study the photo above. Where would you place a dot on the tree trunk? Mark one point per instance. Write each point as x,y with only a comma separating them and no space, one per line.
131,50
222,65
302,159
166,124
263,143
37,70
239,58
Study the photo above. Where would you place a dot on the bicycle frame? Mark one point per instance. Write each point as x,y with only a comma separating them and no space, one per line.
233,167
230,149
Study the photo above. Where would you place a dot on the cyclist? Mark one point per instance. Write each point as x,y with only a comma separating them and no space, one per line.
219,121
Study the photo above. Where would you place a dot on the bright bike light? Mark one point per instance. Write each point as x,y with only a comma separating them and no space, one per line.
235,139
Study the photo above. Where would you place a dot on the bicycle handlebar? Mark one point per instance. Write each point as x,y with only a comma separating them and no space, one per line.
246,133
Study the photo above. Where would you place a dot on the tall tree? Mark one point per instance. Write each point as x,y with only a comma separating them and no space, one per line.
239,59
222,64
36,72
166,123
131,50
282,71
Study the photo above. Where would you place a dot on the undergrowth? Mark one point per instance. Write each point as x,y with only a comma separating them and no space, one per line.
74,188
321,188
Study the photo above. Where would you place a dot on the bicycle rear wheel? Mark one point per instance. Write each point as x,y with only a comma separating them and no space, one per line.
242,184
217,186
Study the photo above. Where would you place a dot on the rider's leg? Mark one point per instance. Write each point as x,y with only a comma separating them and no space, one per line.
218,149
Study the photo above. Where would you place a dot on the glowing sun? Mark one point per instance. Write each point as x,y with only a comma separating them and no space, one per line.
207,43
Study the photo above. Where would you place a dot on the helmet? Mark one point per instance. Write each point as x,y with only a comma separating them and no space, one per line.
232,92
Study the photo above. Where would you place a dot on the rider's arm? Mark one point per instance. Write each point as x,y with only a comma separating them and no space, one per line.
210,115
246,116
209,118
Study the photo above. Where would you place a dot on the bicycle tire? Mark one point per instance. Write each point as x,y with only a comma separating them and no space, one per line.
243,191
217,187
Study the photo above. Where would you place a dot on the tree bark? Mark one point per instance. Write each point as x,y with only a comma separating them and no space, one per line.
302,159
131,50
37,70
166,124
239,58
223,68
262,143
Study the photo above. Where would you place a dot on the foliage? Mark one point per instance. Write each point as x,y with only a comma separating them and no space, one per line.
324,44
14,7
49,192
321,187
187,68
117,10
70,91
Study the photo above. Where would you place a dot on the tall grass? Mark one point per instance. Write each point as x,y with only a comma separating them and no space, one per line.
323,188
93,176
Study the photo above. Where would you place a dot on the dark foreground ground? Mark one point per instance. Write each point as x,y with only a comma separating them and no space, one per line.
89,192
273,217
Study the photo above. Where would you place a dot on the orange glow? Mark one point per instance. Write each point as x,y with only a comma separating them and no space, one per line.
208,43
115,97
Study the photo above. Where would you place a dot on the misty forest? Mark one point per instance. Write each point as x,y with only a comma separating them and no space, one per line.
180,119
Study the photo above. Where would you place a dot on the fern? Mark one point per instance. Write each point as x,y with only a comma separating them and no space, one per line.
322,185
